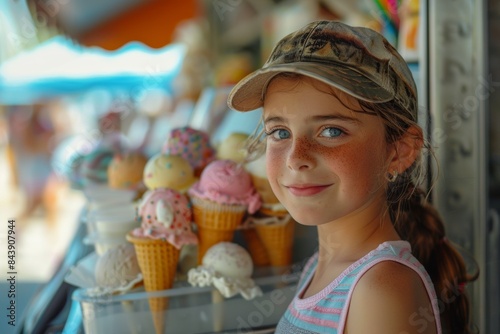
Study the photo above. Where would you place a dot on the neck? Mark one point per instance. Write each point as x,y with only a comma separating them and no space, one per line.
353,236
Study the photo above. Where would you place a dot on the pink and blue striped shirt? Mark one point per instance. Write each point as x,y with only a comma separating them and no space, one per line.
326,311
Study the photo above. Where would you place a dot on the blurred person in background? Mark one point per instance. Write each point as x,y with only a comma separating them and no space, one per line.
31,138
3,129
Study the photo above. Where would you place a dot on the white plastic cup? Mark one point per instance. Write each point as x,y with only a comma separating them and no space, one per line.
113,221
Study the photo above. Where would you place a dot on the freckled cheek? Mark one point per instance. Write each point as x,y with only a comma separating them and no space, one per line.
275,159
356,166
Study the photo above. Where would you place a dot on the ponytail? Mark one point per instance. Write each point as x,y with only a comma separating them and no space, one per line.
418,222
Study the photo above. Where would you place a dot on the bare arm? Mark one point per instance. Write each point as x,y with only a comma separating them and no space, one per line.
390,298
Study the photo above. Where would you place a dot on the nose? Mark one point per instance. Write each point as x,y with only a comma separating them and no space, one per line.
300,155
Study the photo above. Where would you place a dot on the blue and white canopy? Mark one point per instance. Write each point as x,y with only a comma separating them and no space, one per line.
60,67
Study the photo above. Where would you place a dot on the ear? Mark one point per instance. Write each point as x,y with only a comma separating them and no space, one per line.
405,150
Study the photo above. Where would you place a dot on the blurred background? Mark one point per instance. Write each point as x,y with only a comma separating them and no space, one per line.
74,72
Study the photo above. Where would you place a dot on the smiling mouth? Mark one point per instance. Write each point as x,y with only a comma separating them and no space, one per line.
306,189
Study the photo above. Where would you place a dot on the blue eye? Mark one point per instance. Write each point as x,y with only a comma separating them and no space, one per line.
331,132
279,134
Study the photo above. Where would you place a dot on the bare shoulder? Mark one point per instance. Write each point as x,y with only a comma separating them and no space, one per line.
390,298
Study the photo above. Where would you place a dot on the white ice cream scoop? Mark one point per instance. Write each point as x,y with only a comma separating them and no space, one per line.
229,260
228,267
117,268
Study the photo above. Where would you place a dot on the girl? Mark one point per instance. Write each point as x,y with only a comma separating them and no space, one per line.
343,146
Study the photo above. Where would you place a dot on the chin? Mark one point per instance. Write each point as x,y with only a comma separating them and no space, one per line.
306,218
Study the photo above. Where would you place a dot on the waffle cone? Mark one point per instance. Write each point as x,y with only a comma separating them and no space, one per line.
278,241
157,306
158,262
255,247
273,213
209,237
216,223
263,187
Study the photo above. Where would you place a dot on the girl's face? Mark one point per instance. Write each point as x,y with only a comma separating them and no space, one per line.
324,161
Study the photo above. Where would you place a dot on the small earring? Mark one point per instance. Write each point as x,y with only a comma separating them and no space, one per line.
392,176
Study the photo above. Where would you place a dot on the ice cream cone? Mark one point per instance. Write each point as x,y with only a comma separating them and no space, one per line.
157,306
277,210
278,241
218,307
255,247
158,262
228,268
263,187
216,223
271,206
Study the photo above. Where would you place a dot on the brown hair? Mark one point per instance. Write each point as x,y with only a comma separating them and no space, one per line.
418,222
414,217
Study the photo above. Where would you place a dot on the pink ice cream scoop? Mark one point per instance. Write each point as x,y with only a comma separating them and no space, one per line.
226,182
165,214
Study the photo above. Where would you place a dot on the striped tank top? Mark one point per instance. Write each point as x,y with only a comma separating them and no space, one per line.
326,311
